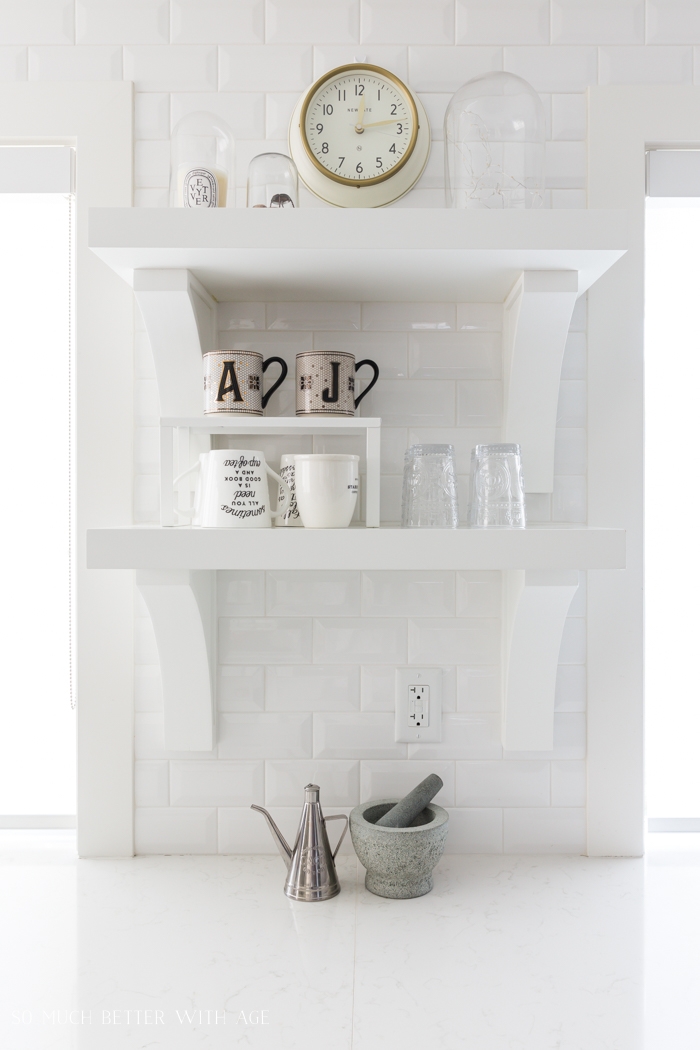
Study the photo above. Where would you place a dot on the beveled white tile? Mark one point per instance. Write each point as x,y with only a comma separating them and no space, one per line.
569,117
583,22
544,831
216,783
312,21
75,63
394,444
175,831
146,499
310,317
573,641
568,783
464,736
574,362
243,831
173,68
570,451
435,103
479,593
264,640
37,22
146,450
151,163
442,641
329,56
475,831
13,63
244,112
478,688
240,317
389,351
279,106
151,115
408,22
270,68
570,692
479,317
672,22
278,344
378,688
489,784
645,65
569,499
454,355
365,640
268,735
151,786
390,500
408,593
571,408
148,688
339,781
210,21
313,593
502,21
149,740
240,688
313,688
569,740
122,22
240,592
387,779
408,317
359,735
446,69
479,403
538,507
565,164
411,404
556,69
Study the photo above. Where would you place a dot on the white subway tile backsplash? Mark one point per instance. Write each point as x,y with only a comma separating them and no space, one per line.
408,593
145,648
454,355
463,439
122,22
673,22
479,403
339,780
573,641
173,68
151,115
408,21
488,784
447,69
597,21
568,783
571,688
502,21
13,63
279,106
389,351
479,593
310,317
556,69
358,735
475,831
240,592
148,688
151,784
570,452
243,112
211,21
571,409
147,450
75,63
149,740
435,104
569,117
152,163
569,740
173,831
360,640
646,65
240,688
402,404
265,640
146,499
538,506
268,735
408,317
478,688
279,344
269,68
313,688
216,783
565,164
387,779
37,22
476,641
332,593
378,688
544,830
390,499
240,317
312,21
574,362
464,736
329,56
569,499
479,317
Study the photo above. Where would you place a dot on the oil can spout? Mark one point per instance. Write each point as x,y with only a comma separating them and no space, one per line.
285,851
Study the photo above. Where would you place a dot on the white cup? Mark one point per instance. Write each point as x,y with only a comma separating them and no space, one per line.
326,489
291,517
232,490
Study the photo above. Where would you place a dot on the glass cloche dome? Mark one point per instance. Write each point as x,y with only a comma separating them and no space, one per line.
201,163
494,144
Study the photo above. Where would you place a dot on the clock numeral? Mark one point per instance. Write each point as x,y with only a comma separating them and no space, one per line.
327,109
319,128
359,169
324,147
359,89
341,96
380,162
392,148
393,110
399,129
341,159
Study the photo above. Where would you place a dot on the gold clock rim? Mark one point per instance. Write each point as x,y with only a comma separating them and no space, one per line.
313,90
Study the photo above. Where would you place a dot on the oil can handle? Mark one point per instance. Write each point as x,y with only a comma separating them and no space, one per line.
339,816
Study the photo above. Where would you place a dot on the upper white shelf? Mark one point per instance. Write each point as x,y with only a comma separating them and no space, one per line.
399,254
231,423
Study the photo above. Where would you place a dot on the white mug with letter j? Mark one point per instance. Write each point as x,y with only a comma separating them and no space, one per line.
326,487
232,490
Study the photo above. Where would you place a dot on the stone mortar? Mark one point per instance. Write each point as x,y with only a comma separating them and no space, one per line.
399,861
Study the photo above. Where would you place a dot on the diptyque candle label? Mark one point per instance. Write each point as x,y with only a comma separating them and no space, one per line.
200,189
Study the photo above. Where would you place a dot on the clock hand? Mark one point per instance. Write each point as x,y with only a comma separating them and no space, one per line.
379,123
359,127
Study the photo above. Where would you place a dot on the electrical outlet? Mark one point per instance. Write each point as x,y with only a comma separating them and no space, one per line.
418,704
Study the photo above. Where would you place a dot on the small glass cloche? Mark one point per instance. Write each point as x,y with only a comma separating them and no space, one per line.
273,182
201,163
494,144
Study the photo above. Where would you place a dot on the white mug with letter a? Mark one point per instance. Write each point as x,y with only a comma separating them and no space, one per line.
326,486
233,490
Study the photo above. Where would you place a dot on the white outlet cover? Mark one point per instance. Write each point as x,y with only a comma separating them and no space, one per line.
405,677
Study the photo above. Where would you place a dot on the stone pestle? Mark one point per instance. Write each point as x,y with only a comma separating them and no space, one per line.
404,812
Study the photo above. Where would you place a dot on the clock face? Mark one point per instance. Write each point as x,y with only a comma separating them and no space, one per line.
360,125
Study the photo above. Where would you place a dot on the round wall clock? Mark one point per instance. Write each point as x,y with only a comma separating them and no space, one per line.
359,137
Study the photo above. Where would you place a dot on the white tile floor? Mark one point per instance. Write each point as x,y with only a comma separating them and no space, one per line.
507,953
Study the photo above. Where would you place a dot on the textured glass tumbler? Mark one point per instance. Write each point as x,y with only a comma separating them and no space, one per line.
497,493
429,488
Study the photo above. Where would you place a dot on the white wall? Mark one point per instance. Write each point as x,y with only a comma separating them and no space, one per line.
249,60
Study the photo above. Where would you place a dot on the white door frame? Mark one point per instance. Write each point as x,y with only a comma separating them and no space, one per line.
622,123
97,119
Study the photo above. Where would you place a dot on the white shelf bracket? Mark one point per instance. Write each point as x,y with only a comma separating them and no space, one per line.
536,604
180,318
537,315
182,604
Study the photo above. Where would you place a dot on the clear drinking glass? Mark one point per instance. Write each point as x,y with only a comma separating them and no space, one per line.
497,493
429,488
273,182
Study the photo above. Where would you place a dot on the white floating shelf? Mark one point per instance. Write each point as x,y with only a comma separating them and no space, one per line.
546,547
230,423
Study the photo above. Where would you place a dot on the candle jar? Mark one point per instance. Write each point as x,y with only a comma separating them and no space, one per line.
273,182
201,163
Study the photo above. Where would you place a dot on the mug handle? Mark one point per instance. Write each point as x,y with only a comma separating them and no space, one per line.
375,369
287,501
282,376
185,513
